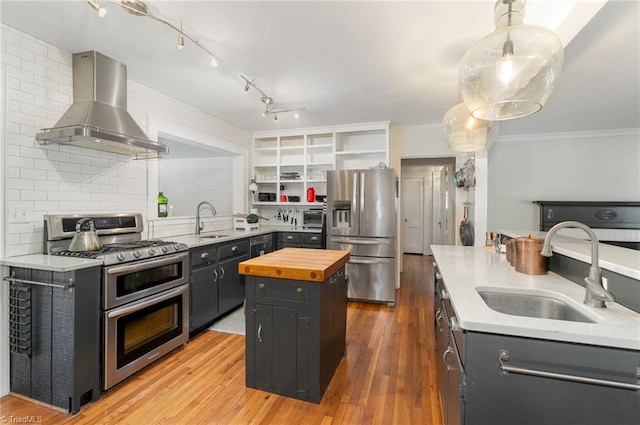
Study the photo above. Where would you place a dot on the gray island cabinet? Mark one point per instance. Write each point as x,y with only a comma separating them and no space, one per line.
296,314
498,379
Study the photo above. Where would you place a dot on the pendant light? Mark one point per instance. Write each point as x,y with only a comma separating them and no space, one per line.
463,133
511,72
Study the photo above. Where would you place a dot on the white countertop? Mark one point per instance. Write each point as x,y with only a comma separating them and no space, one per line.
52,263
57,263
614,258
464,269
229,234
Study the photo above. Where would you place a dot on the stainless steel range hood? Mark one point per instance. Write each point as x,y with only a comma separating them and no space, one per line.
98,118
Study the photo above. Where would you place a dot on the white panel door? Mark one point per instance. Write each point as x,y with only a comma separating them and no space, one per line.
413,215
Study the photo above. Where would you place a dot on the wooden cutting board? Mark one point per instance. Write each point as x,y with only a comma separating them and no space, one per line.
313,265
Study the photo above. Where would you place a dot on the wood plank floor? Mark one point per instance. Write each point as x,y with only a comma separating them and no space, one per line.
388,376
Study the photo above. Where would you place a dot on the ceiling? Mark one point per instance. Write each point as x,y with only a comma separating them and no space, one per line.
349,62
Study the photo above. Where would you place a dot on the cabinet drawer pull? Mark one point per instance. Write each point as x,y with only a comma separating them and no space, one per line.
455,326
444,358
438,276
261,285
299,290
221,273
314,238
503,358
259,333
215,275
204,255
234,248
289,238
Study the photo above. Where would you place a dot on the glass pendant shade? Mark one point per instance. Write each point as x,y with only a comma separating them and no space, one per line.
511,72
463,133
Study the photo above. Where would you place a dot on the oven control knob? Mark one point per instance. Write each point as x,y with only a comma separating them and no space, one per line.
136,253
120,256
152,251
165,249
176,247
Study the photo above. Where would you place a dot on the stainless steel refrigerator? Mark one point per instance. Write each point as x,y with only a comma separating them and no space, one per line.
361,219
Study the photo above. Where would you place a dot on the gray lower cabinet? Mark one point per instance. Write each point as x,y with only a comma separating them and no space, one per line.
299,240
203,288
231,285
54,335
216,286
296,333
547,387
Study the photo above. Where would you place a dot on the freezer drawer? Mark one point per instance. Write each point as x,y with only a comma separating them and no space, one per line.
365,247
372,279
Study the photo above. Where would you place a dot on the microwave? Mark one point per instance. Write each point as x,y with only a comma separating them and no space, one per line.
312,218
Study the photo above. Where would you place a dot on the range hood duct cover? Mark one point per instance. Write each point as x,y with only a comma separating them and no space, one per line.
98,118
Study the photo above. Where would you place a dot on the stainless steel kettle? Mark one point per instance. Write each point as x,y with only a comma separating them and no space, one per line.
85,240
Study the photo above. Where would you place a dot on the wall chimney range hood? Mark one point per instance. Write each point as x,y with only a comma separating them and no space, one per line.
98,118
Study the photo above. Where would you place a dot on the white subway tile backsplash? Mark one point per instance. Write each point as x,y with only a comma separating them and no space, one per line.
32,152
20,183
68,179
72,167
18,161
20,96
55,155
32,174
45,164
32,46
48,207
33,195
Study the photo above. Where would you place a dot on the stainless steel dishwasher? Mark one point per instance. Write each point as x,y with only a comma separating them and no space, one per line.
262,244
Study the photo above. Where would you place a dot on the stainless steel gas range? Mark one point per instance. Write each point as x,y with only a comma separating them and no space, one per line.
144,289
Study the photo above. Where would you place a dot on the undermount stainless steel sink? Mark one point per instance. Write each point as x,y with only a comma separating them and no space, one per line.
214,236
540,305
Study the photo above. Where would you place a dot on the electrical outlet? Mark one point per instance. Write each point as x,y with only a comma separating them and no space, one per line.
19,215
605,283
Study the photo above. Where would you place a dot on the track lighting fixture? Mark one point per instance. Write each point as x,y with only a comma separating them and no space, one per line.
180,37
139,8
99,9
268,101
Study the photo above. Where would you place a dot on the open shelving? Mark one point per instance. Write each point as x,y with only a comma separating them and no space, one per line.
311,153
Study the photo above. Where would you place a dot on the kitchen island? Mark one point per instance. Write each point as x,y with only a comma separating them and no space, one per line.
296,313
504,368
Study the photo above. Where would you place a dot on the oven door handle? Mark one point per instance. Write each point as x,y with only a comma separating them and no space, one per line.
146,303
147,264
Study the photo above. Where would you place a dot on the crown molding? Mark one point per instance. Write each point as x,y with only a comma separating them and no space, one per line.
569,135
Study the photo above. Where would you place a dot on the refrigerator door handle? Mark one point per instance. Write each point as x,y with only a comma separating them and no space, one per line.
376,261
361,242
361,205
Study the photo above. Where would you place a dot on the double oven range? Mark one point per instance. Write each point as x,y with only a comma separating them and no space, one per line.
144,290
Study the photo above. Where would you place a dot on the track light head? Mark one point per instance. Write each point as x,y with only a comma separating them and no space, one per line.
181,41
246,87
99,9
214,62
266,100
296,115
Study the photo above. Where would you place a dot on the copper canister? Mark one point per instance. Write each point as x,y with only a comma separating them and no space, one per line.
528,259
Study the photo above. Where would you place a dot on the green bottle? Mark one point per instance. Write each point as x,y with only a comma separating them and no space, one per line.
162,205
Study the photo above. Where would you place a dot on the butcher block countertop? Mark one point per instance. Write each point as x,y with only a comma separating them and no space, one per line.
312,265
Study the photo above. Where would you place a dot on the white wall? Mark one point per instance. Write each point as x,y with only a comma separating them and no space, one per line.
593,166
65,179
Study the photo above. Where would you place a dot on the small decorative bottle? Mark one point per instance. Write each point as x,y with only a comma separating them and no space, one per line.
162,205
